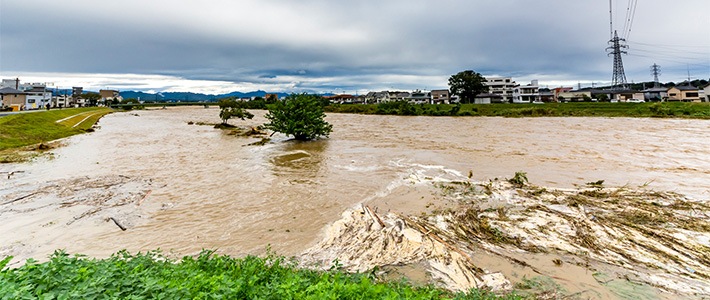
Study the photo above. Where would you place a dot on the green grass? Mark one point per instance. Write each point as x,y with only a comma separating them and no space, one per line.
25,129
207,276
581,109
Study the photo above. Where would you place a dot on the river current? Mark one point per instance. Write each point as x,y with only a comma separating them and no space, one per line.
216,192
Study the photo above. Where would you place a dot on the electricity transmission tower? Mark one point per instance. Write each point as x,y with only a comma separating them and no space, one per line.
655,71
617,45
618,79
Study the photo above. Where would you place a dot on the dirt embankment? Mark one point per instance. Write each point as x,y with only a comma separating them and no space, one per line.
593,242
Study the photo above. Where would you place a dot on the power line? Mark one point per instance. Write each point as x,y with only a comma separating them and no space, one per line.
631,19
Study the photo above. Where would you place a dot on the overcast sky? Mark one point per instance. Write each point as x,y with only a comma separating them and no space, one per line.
217,46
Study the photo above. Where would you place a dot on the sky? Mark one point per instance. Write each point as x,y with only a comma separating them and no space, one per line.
220,46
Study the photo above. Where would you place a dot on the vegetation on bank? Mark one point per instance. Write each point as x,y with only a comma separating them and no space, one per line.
582,109
24,129
207,276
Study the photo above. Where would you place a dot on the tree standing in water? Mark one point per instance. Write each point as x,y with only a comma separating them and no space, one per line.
299,115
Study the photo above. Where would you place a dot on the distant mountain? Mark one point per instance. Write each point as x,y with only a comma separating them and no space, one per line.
190,97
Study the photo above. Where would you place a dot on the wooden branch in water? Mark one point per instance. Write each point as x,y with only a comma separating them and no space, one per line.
146,196
20,198
117,224
374,216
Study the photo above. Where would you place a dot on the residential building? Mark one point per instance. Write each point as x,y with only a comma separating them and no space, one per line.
61,100
527,93
34,95
707,93
341,99
38,97
685,93
440,97
109,96
398,96
575,96
377,97
502,86
557,91
487,98
76,93
626,95
419,97
547,96
13,98
11,83
655,94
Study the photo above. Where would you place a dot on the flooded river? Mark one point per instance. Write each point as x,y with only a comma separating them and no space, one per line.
206,189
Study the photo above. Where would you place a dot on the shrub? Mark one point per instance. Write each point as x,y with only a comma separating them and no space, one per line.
230,108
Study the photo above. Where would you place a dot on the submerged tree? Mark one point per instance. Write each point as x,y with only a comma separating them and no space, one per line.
467,84
230,108
299,115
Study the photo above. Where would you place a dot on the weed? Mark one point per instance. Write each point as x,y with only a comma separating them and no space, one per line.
520,179
206,276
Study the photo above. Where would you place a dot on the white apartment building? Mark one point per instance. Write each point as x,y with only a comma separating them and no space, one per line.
511,92
527,93
501,86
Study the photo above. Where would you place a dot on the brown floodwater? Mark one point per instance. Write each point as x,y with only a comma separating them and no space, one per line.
211,190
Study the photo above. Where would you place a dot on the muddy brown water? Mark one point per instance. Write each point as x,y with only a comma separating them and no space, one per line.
212,191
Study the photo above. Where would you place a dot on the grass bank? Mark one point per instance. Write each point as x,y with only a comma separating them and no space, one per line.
207,276
25,129
583,109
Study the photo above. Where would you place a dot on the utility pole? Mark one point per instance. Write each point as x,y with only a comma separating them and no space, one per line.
655,71
618,80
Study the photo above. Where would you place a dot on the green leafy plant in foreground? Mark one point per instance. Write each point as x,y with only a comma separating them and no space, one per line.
206,276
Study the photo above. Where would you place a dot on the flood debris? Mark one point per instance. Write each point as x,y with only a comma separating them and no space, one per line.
123,228
659,240
57,208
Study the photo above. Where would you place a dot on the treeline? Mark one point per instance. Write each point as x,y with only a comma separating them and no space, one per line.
403,108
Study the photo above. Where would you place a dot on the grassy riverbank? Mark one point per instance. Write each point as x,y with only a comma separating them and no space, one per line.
584,109
208,276
25,129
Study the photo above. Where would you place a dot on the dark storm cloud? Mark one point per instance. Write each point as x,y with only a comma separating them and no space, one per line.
330,45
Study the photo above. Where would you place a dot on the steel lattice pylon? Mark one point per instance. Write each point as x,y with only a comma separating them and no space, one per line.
618,80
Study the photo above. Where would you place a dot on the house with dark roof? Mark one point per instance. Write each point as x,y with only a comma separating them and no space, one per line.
12,98
656,94
440,97
685,93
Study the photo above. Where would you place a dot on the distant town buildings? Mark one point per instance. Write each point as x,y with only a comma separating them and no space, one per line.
22,96
16,95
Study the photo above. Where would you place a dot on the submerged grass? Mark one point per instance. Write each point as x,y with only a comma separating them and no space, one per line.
207,276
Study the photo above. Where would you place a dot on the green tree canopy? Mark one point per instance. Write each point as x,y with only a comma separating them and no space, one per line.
231,108
91,97
467,84
300,115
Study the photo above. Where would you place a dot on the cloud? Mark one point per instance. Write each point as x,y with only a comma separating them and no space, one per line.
323,45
